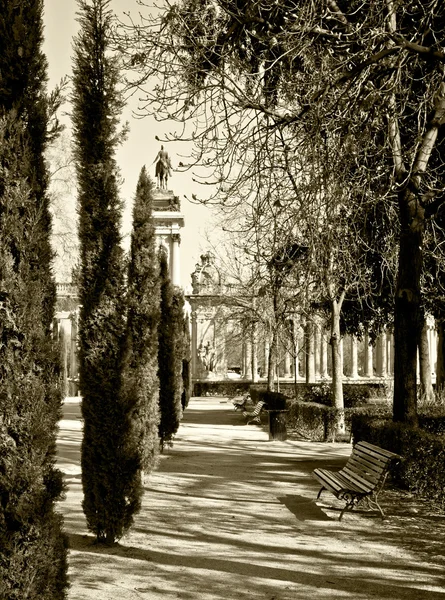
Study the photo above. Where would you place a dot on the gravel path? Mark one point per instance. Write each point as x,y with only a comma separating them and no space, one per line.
230,515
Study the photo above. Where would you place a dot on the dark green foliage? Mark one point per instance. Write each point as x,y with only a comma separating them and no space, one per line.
140,379
353,394
111,464
32,546
221,388
422,469
186,364
318,422
170,354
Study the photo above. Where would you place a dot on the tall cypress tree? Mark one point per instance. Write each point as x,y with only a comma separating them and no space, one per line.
32,545
186,363
140,380
169,355
111,476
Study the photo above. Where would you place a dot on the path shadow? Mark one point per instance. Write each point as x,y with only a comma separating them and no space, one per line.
303,508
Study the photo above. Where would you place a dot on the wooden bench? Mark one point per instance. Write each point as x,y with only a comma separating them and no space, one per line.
254,415
361,479
239,402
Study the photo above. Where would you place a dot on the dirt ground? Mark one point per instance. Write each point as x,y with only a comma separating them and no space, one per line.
230,515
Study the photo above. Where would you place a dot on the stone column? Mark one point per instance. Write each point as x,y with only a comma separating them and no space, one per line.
266,355
381,355
354,357
194,343
389,353
340,351
323,356
317,350
73,349
296,350
309,349
176,264
368,366
254,341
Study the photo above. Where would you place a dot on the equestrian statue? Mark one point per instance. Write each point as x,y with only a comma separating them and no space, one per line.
163,168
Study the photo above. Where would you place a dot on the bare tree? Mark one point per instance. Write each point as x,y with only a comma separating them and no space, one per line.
228,69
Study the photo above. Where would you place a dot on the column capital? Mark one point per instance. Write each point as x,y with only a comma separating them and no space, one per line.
176,237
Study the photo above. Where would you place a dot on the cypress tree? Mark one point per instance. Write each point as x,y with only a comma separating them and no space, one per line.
186,363
111,474
32,546
140,380
169,355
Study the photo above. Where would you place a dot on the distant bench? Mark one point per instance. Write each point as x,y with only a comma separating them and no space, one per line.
254,415
361,479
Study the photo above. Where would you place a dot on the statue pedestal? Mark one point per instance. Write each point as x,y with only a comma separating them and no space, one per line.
208,375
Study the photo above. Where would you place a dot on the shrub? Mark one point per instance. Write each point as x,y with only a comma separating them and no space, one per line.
110,454
422,468
170,355
33,548
140,378
318,421
354,394
186,364
228,388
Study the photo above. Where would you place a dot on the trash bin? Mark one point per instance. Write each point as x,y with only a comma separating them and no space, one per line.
277,424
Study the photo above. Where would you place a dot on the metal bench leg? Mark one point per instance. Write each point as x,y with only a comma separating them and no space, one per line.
372,502
319,493
349,506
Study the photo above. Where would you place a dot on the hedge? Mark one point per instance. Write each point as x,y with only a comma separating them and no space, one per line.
229,387
422,469
317,422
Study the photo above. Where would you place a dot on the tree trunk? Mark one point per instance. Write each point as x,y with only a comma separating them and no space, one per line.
426,385
407,312
272,361
310,349
337,375
440,369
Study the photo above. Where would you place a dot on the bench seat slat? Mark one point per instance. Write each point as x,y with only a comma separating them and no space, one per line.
358,480
339,483
371,454
380,451
371,476
364,467
365,455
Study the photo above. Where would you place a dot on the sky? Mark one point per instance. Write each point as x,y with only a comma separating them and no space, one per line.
141,146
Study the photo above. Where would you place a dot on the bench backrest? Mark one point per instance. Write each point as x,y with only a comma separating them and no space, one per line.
258,407
368,464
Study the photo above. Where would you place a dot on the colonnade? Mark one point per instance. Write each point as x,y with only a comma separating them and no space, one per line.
305,355
308,355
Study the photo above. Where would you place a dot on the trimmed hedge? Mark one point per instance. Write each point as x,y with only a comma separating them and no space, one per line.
422,469
354,394
317,422
229,387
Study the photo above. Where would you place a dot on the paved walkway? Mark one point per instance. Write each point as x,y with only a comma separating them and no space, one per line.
230,515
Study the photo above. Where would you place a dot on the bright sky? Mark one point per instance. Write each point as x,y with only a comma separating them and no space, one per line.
141,146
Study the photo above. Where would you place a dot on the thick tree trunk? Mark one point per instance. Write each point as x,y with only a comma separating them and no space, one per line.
426,385
337,375
440,369
408,313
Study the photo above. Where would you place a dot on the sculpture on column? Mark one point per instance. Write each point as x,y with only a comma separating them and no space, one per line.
163,168
207,357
